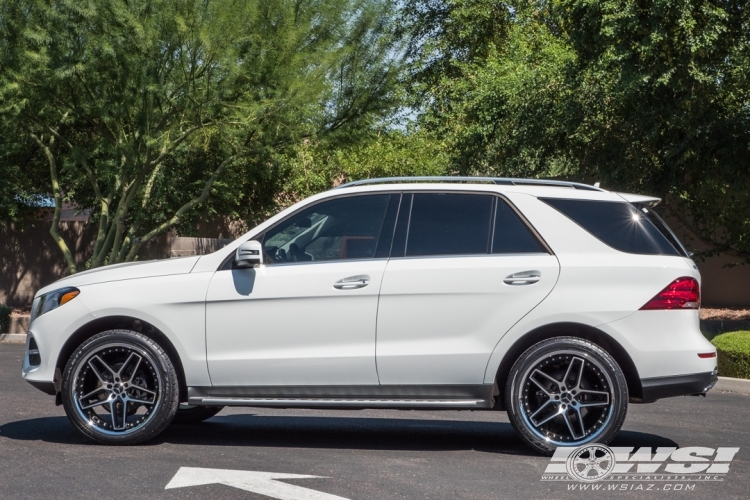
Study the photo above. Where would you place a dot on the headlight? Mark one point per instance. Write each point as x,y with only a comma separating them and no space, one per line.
52,300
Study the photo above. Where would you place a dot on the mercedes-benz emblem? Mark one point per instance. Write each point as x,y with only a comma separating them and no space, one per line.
591,462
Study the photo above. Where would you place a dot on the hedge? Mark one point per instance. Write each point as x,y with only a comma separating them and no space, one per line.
734,354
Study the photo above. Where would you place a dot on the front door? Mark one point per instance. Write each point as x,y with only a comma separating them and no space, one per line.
307,316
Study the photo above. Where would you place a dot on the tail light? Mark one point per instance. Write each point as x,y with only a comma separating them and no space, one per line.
682,293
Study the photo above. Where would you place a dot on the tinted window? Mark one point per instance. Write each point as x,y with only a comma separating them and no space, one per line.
449,224
344,228
620,225
511,233
663,228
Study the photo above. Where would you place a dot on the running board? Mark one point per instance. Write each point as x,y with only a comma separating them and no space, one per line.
340,403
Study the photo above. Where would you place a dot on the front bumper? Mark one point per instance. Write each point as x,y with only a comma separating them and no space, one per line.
680,385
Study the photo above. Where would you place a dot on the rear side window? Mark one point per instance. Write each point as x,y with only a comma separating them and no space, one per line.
449,224
511,233
617,224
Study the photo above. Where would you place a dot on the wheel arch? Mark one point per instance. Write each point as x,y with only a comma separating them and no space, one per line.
579,330
121,323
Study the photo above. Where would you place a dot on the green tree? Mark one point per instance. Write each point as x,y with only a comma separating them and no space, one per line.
144,110
390,153
643,95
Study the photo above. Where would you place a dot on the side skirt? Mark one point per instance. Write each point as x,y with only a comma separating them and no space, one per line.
347,397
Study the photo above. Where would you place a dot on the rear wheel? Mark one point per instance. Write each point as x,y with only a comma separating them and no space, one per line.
193,414
566,391
120,387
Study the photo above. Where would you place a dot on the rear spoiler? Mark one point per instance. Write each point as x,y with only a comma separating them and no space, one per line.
651,201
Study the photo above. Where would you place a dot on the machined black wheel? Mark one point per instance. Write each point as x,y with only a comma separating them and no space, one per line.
194,414
566,391
120,387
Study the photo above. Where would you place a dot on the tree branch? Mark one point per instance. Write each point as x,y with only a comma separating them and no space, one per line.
175,219
54,229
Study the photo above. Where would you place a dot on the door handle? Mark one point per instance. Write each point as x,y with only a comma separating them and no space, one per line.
523,278
352,282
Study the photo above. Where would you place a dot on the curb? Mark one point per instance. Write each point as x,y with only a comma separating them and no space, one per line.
12,337
729,384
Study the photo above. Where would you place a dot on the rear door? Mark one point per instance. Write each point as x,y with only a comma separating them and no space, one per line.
464,268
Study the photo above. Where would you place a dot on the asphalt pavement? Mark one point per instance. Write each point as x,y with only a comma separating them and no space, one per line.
368,454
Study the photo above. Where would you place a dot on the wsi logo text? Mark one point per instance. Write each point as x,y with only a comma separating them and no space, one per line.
596,462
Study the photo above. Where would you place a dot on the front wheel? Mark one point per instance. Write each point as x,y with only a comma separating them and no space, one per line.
566,391
120,387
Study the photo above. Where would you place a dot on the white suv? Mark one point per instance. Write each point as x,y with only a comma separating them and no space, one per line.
557,302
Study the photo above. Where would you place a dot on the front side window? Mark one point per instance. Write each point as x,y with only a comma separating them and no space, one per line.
449,224
343,228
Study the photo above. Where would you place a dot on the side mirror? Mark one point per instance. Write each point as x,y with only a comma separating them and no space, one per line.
249,254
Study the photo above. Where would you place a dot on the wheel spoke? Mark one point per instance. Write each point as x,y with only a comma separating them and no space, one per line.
570,372
540,384
594,404
546,403
94,404
98,389
570,426
113,413
579,417
141,401
550,417
598,394
127,362
124,414
98,372
85,404
142,389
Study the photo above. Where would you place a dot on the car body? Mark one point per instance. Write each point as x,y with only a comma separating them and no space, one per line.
380,294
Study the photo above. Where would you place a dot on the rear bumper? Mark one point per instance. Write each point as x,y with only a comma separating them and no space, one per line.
680,385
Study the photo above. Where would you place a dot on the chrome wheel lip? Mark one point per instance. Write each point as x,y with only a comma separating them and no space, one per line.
96,352
589,437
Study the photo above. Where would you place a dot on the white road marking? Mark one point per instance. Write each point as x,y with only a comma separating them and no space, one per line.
263,483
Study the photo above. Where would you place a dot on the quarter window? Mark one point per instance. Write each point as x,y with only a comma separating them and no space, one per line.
617,224
344,228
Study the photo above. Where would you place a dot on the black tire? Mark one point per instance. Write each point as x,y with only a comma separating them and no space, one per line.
119,387
566,391
187,415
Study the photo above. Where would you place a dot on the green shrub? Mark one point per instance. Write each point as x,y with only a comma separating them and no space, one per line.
5,318
734,354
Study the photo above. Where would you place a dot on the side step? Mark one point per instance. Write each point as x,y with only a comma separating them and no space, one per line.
340,403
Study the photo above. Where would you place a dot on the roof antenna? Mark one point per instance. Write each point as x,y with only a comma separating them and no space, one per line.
596,185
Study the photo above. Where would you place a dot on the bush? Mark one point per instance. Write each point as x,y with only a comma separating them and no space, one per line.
734,354
5,318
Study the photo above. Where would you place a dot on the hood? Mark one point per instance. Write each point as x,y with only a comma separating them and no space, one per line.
126,271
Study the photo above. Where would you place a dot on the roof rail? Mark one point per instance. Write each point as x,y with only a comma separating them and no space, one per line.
494,180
